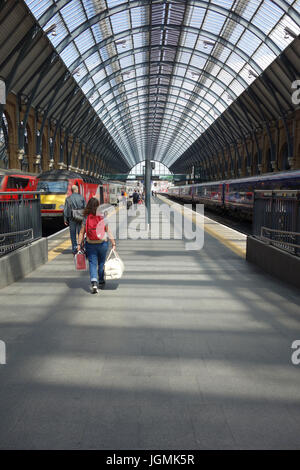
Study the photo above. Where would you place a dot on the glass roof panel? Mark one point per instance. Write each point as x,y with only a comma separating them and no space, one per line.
185,61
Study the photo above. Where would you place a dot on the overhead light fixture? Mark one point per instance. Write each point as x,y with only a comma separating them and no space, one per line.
122,43
251,73
229,97
195,74
289,33
77,71
208,43
51,30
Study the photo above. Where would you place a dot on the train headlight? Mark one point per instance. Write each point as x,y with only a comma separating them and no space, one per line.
61,207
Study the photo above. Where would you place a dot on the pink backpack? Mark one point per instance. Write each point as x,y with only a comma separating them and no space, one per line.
95,227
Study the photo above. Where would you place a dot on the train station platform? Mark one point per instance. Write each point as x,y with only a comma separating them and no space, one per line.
189,350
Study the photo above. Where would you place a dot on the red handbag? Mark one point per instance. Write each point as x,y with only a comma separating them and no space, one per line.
80,261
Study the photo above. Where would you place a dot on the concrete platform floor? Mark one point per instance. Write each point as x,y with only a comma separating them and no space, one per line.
190,350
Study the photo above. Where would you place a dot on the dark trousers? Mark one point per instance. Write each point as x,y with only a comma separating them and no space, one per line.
74,232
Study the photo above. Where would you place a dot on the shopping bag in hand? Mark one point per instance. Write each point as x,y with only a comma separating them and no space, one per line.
114,266
80,261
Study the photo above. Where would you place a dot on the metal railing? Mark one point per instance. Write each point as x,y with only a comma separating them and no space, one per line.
20,219
276,219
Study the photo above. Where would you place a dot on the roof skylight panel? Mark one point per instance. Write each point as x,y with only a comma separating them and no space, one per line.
38,7
223,3
236,33
251,8
120,22
195,17
92,62
90,7
217,88
69,54
236,87
138,16
87,86
84,41
188,39
249,42
235,62
286,21
264,56
215,69
180,71
99,76
279,37
219,105
139,57
126,61
104,53
267,16
246,76
225,77
296,4
198,62
184,57
105,28
97,32
139,40
98,106
103,88
61,31
223,55
73,14
214,21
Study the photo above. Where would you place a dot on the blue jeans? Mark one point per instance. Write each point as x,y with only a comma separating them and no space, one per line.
74,231
96,253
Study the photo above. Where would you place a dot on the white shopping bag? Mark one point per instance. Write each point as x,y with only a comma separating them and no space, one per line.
114,266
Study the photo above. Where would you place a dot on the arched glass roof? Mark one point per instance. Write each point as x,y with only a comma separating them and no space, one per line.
160,72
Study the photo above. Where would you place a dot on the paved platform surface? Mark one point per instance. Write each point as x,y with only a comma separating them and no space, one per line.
190,350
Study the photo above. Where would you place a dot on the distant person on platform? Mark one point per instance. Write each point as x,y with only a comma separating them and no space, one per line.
75,201
135,198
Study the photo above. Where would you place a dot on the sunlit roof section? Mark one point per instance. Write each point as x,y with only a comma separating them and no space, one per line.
159,73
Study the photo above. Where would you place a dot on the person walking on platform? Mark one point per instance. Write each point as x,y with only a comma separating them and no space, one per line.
135,198
74,202
96,242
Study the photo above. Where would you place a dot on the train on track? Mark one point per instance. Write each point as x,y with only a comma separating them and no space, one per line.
57,185
234,196
16,180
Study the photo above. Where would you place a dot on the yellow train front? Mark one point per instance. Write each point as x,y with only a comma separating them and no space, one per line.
57,186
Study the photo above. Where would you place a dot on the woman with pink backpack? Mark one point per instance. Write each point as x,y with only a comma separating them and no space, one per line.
96,242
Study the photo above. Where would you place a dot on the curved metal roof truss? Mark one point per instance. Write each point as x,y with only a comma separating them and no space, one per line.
161,74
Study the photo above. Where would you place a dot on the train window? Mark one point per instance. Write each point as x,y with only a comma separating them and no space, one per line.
57,187
16,183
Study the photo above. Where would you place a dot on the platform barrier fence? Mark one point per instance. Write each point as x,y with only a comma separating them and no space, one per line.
20,219
276,219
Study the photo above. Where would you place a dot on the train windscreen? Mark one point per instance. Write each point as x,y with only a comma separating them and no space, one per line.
14,182
50,187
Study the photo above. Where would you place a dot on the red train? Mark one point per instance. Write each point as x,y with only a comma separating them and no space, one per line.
57,185
16,180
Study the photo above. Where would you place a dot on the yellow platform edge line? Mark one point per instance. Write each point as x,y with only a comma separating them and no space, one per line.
231,245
